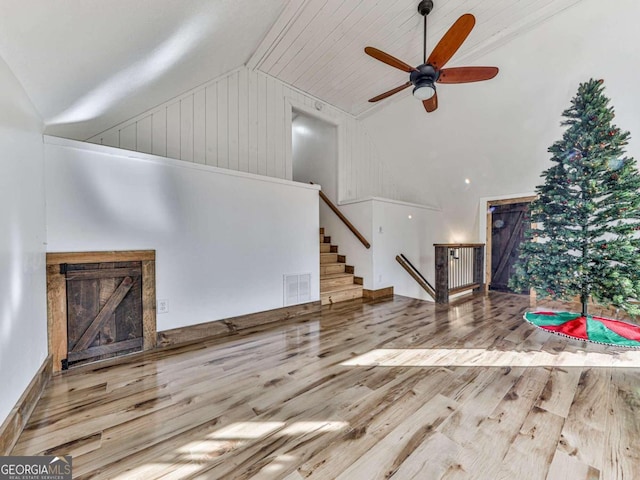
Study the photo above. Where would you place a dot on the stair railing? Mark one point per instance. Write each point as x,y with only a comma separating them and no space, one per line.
415,273
459,267
344,219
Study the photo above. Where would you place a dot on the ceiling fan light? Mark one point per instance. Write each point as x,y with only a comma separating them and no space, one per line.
424,90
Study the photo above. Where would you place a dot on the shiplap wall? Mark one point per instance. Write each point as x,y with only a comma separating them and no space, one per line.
239,122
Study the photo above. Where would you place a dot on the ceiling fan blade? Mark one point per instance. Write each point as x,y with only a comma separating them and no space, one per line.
384,95
467,74
450,43
431,103
388,59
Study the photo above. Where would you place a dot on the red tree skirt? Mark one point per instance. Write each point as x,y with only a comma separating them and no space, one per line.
590,328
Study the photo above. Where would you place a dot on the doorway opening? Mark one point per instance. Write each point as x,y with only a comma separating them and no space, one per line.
507,221
314,151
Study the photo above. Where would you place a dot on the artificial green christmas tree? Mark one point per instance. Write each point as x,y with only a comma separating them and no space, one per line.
584,240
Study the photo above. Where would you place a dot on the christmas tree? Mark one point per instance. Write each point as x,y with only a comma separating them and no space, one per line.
584,236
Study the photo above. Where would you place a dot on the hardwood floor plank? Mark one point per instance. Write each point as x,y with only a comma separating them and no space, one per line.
622,444
486,445
481,401
430,460
395,388
372,418
303,427
389,453
168,456
564,466
583,433
557,396
532,449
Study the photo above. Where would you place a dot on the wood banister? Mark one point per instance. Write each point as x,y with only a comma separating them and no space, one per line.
344,219
404,257
417,276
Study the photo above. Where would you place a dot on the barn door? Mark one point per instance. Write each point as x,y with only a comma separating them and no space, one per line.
104,310
508,225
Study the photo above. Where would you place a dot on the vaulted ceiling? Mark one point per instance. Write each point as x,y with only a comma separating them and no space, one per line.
89,64
320,51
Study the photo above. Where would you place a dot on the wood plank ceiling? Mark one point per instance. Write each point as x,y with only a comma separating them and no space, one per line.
320,50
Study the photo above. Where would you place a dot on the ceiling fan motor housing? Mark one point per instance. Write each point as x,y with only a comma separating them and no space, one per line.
423,80
424,73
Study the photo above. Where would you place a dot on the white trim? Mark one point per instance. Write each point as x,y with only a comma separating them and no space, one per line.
147,157
388,200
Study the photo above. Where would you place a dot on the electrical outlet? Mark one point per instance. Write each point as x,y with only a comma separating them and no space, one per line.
163,306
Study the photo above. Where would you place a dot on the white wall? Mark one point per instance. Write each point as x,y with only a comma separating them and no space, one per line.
23,309
496,133
223,239
386,225
242,121
408,229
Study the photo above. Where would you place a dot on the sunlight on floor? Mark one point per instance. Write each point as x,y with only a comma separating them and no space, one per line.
199,454
246,430
277,465
479,357
301,428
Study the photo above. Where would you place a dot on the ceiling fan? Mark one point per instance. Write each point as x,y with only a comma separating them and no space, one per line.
425,76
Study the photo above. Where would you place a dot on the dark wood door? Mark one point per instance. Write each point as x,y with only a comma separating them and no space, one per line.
508,224
104,310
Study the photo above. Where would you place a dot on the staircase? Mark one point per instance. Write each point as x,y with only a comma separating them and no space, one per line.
337,281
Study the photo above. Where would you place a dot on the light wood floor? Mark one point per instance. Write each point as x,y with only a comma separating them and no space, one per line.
397,389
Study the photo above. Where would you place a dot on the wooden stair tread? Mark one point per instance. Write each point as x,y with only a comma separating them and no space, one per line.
341,288
332,264
329,258
329,280
329,276
333,268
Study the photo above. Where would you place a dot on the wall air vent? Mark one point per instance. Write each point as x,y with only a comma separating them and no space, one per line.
297,289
